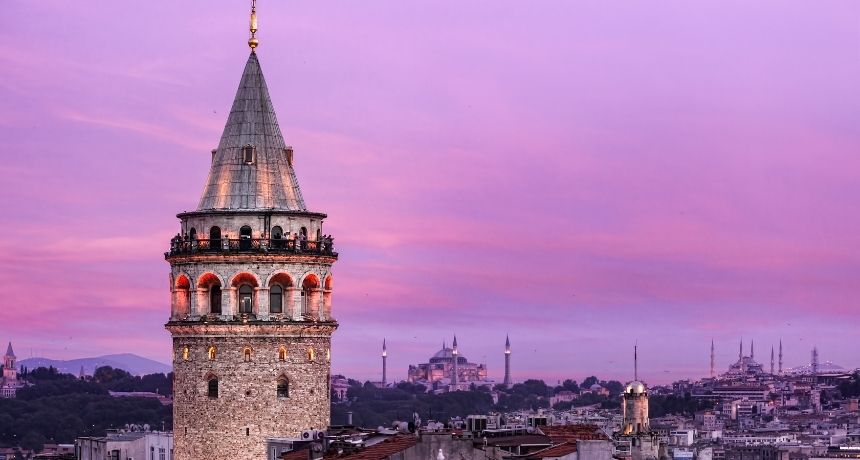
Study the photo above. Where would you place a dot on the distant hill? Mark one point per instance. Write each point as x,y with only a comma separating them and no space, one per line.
136,365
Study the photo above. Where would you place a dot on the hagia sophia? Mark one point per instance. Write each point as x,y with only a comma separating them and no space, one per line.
449,370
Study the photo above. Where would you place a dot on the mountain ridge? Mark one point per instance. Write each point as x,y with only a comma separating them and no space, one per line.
129,362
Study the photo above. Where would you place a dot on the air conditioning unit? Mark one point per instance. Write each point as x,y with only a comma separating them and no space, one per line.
309,435
320,435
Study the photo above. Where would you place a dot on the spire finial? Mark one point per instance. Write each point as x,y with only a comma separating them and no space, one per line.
253,42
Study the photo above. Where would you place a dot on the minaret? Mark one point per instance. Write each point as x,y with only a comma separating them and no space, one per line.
815,364
251,291
82,375
456,355
741,350
771,360
507,381
752,350
712,358
780,356
384,368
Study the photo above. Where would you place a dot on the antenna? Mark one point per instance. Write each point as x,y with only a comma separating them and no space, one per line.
636,361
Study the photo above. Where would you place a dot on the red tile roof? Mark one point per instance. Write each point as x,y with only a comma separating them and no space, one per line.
564,433
380,450
559,450
301,454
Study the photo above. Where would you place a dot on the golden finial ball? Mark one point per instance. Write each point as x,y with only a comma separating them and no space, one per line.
253,43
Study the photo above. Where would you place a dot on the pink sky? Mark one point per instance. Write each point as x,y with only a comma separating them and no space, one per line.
576,174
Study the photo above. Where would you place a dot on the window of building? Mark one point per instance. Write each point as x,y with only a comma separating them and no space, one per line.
248,153
283,387
245,238
276,299
215,300
282,354
161,453
212,353
246,353
212,387
215,238
185,353
246,296
311,354
193,233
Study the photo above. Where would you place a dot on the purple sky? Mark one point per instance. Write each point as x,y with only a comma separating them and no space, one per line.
576,174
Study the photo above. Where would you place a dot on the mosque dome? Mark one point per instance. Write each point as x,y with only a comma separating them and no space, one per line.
446,354
635,387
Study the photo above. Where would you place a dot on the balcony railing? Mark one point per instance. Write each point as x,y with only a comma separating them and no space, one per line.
179,246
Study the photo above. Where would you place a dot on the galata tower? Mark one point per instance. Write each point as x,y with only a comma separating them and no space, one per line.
250,285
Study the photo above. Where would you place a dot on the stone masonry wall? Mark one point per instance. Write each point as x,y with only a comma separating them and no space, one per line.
247,410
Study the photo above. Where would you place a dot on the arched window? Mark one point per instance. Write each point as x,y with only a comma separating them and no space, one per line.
283,387
282,354
328,355
245,238
311,354
215,300
248,153
185,353
212,387
246,354
310,288
213,352
276,299
246,296
192,234
277,235
215,238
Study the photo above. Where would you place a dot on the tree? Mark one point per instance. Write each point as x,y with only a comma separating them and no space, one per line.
588,382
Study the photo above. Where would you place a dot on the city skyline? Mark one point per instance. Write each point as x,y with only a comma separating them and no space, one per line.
662,186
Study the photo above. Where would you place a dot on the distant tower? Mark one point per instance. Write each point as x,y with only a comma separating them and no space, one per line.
712,358
507,381
752,350
82,375
635,403
384,367
780,356
771,360
251,291
456,355
10,372
741,350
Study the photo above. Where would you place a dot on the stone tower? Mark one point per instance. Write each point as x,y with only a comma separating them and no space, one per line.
635,405
250,283
507,381
10,371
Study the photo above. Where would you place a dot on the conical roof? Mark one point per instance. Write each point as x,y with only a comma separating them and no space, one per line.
9,351
268,180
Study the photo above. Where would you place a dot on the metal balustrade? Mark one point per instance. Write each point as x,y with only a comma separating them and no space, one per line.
181,246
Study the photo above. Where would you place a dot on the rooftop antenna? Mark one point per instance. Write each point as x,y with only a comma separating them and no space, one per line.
636,361
253,42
